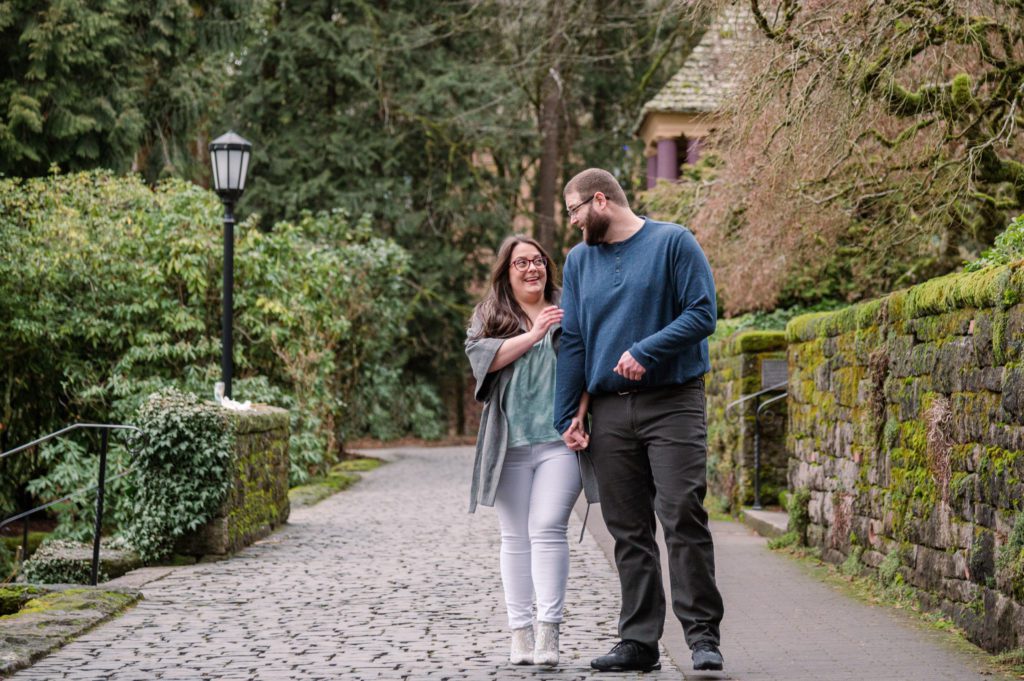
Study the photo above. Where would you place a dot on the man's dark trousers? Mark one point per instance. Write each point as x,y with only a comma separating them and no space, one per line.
649,450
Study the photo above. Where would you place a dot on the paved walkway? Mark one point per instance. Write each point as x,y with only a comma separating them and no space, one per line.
394,580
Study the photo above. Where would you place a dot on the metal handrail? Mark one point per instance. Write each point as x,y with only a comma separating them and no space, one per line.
758,406
751,396
62,431
99,486
772,400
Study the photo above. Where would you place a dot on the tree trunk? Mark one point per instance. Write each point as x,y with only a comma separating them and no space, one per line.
548,193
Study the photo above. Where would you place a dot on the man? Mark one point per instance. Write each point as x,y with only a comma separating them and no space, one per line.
639,303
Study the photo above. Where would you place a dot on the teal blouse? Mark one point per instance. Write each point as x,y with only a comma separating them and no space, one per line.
530,396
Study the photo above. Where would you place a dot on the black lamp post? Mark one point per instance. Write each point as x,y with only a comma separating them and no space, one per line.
229,155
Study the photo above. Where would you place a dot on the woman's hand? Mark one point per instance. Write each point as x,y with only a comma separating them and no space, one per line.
548,317
575,437
517,346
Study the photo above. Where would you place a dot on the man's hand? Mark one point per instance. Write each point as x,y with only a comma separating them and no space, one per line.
629,368
575,437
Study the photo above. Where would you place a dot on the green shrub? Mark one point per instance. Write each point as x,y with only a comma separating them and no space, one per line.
111,291
889,569
58,561
783,540
799,514
181,471
852,567
1011,558
1008,247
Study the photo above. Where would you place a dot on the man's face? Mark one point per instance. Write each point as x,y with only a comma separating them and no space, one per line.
585,213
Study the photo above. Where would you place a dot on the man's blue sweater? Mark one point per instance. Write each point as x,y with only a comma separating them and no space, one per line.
652,294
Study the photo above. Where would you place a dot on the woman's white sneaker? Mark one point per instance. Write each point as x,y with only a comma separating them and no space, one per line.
522,646
546,652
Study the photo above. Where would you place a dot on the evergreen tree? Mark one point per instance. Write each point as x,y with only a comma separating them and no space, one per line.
431,118
390,109
108,83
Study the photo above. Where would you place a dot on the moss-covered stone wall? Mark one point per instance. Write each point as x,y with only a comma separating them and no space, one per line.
258,499
906,425
735,372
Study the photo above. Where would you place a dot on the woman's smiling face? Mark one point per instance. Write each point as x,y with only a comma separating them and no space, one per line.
528,284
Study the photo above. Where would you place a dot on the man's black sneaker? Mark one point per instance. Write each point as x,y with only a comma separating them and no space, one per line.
628,656
707,657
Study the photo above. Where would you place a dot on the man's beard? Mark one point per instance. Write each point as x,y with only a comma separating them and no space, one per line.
595,229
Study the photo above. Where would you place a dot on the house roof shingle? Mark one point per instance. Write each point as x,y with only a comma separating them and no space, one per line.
710,73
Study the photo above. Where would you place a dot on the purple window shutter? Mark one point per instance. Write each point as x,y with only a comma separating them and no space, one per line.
668,160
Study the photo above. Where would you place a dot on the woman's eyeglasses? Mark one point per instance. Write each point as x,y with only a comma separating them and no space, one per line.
522,264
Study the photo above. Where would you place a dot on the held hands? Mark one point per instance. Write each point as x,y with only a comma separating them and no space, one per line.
575,437
548,317
629,368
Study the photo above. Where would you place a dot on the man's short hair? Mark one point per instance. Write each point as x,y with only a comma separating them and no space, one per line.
594,180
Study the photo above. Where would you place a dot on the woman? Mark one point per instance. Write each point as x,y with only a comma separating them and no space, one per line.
522,466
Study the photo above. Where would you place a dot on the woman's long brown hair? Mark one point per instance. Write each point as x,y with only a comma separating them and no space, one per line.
499,313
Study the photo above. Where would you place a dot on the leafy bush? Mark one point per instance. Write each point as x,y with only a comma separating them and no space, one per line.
852,567
110,291
799,514
58,561
1008,247
181,470
72,466
889,569
1011,559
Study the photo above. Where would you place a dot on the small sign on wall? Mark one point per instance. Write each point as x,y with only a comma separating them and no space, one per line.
773,372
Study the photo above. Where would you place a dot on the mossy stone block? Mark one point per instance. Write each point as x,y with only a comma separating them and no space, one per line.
257,500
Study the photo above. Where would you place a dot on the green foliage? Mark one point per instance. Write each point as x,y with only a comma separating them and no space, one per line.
790,538
1011,559
363,108
72,467
799,514
341,476
58,561
113,83
1008,247
181,467
360,465
131,303
889,569
426,116
6,562
852,567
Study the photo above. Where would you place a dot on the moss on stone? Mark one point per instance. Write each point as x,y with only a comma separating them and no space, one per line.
805,327
360,465
983,288
318,489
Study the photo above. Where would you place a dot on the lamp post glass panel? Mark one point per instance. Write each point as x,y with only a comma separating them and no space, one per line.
229,155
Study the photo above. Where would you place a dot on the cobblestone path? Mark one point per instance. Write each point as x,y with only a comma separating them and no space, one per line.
389,580
394,580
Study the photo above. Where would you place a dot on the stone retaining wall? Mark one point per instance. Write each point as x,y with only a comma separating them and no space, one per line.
906,424
736,371
258,499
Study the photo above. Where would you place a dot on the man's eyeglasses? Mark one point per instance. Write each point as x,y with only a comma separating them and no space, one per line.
572,211
522,264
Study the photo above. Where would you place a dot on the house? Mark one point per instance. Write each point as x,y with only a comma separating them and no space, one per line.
675,122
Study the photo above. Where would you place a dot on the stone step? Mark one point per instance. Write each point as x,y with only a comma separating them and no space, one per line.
765,523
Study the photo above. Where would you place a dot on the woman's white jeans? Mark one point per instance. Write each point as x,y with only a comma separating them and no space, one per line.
538,486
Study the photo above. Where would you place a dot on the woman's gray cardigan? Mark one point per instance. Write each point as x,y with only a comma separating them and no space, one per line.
492,440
